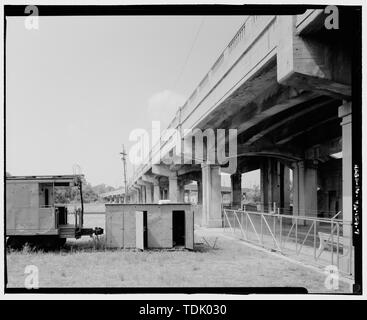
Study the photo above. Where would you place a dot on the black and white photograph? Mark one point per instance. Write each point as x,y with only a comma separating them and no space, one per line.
181,149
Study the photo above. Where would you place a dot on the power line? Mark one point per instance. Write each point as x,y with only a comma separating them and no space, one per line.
189,54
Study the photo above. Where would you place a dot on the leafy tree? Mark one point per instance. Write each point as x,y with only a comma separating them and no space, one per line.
90,193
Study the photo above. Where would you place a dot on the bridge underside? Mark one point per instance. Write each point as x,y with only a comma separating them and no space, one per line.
293,119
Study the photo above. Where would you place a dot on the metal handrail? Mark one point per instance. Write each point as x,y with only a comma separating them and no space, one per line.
318,219
300,237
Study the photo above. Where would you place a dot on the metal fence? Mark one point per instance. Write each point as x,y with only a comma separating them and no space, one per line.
322,241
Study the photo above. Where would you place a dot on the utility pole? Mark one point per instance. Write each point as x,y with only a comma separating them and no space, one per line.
123,158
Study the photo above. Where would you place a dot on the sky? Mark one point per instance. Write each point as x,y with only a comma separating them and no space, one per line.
77,86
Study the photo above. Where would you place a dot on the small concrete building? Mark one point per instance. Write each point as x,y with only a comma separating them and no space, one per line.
149,226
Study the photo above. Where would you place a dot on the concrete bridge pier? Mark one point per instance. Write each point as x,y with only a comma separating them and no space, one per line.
136,194
285,188
236,182
173,189
153,192
212,196
275,185
345,113
181,190
140,195
156,192
176,189
305,189
146,190
176,186
200,191
143,194
149,192
189,177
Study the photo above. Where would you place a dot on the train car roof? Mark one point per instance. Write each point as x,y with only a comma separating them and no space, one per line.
46,178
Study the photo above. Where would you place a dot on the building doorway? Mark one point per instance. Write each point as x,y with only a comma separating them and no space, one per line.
178,228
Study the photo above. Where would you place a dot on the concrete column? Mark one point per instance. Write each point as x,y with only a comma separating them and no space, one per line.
275,185
310,188
187,196
264,186
138,194
144,194
142,199
199,192
295,189
285,189
236,190
212,197
173,189
181,191
156,192
275,173
305,189
148,190
345,112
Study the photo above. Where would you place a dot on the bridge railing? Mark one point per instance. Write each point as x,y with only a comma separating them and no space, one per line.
321,241
241,43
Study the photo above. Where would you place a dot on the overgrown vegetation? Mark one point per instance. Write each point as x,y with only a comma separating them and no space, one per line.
90,193
86,262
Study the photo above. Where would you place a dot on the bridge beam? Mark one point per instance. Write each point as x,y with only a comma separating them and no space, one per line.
163,171
308,63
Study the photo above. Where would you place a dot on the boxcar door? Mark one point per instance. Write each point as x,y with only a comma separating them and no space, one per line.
189,229
139,216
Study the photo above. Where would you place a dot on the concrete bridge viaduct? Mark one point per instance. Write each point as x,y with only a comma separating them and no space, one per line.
284,82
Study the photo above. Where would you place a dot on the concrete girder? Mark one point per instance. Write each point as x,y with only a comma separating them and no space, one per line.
186,169
269,103
310,64
284,121
269,150
163,171
150,179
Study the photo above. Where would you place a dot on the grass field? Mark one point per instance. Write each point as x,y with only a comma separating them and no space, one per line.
85,263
